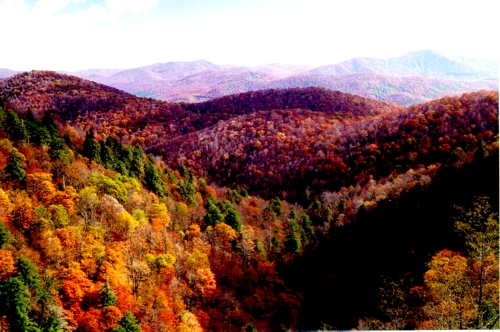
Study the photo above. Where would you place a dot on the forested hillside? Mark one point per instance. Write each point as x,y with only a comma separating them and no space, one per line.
249,212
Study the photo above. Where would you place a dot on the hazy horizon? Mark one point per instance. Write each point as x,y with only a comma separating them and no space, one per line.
72,35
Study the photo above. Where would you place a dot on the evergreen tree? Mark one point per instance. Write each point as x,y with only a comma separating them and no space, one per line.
213,213
15,299
32,127
108,298
128,323
107,157
14,168
153,179
233,219
91,147
276,206
14,126
5,235
307,227
136,163
292,243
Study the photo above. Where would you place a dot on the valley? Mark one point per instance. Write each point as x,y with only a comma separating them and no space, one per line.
274,209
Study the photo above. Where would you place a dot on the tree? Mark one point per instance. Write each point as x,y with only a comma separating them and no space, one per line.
108,298
14,168
91,147
15,298
5,236
213,215
128,323
153,179
14,126
233,219
292,243
478,225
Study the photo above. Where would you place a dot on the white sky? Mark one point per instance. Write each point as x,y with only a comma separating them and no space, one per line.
81,34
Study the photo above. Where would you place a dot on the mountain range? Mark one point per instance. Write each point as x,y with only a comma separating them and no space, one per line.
415,77
237,199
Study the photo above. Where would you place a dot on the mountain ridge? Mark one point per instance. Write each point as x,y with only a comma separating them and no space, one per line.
415,77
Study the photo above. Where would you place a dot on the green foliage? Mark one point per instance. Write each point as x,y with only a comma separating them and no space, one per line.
108,298
234,196
128,323
153,180
91,147
106,185
14,169
60,217
242,191
42,217
292,243
250,328
187,190
213,215
171,177
233,219
307,227
293,213
14,127
15,299
276,206
5,235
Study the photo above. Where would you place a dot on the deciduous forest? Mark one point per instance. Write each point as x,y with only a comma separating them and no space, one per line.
270,210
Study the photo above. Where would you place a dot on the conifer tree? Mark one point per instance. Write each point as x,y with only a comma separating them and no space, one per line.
128,323
14,168
213,213
108,298
15,299
14,126
91,147
233,219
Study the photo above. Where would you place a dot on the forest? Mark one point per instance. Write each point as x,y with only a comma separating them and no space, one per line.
265,211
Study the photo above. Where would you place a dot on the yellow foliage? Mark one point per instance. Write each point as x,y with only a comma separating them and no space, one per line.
6,206
197,260
126,223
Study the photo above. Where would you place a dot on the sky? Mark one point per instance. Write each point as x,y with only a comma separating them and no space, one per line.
120,34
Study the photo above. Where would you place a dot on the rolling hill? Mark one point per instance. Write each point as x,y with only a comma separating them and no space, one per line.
360,192
281,140
415,77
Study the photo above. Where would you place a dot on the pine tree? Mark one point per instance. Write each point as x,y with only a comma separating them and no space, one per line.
14,126
15,299
108,298
91,147
292,243
128,323
233,219
136,163
5,235
14,168
153,179
213,213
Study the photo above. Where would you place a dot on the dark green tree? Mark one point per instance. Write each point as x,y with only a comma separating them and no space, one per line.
213,214
276,206
14,168
108,298
91,147
5,235
136,163
307,227
15,299
153,180
14,126
233,218
292,243
128,323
